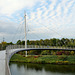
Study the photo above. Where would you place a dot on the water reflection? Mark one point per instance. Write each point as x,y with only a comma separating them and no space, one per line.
41,69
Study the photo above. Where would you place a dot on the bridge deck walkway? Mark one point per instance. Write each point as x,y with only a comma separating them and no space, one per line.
2,62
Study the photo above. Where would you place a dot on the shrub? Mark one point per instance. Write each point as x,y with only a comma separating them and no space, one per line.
35,56
67,52
54,53
63,52
39,55
59,62
62,58
59,53
72,52
29,56
43,62
66,62
45,52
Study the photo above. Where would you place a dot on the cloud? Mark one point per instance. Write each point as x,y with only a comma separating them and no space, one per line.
57,18
45,18
7,27
8,7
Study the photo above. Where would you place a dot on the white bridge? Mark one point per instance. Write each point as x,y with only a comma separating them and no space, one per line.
12,49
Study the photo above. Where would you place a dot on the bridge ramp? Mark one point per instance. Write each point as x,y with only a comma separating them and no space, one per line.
2,62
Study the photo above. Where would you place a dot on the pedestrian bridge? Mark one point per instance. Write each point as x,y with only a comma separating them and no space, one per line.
11,50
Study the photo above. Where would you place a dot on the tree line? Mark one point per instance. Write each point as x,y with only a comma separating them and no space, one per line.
64,42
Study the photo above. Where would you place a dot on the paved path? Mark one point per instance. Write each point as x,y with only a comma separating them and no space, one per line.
2,62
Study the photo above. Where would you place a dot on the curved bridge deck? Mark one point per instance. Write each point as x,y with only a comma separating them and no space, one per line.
6,55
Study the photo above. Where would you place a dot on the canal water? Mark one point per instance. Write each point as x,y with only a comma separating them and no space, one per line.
41,69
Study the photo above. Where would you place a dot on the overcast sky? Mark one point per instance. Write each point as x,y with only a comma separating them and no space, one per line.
45,19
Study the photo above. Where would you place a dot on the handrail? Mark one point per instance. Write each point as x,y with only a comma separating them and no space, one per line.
36,46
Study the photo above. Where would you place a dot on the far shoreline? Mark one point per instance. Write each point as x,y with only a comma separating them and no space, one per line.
46,59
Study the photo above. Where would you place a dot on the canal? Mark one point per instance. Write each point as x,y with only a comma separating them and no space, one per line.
41,69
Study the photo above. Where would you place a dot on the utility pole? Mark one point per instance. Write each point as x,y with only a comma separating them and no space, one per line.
3,39
25,34
3,43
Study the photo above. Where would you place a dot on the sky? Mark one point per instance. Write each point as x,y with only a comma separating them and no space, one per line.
45,19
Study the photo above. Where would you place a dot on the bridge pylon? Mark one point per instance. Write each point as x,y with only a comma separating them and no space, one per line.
25,34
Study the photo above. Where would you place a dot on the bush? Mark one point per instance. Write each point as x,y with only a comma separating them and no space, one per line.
63,58
35,56
45,52
63,52
72,52
59,62
59,53
67,52
66,62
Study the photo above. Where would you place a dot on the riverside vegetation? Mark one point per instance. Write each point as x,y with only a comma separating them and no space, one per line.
45,57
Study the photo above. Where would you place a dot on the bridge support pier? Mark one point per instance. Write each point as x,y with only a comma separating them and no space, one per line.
26,53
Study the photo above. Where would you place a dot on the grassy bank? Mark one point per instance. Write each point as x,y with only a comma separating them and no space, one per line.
49,59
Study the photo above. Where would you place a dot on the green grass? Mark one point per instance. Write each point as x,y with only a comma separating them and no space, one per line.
50,59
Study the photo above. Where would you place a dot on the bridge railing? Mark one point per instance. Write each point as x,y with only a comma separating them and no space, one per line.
36,46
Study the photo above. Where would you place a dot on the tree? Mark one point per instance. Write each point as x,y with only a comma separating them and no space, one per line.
18,42
4,44
53,42
58,42
46,42
28,42
23,42
41,42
